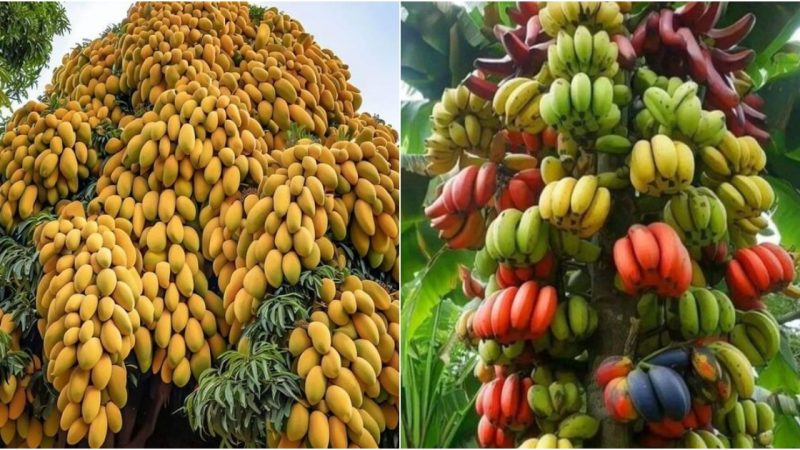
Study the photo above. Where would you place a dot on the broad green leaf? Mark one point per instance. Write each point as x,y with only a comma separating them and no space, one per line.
785,216
781,374
415,116
431,284
787,431
438,385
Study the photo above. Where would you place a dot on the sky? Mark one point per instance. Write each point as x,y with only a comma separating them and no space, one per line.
365,35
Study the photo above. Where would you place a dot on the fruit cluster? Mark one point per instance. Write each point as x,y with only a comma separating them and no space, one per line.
43,158
92,302
463,124
684,165
347,357
21,425
685,43
219,158
758,270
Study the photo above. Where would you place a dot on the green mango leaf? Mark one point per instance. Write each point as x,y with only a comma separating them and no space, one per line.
785,215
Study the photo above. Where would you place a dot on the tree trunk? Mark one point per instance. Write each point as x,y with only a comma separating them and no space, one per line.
615,311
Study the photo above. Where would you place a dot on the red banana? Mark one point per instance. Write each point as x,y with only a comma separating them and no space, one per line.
725,38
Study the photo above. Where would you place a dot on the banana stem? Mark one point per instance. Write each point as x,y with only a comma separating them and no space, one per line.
615,309
671,346
633,337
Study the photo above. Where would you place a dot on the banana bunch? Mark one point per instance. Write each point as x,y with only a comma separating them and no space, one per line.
20,424
758,270
369,185
734,370
492,352
507,275
579,206
732,156
516,103
547,440
507,410
347,358
580,107
747,423
703,312
43,157
757,335
522,189
567,16
518,237
574,320
678,111
92,303
652,257
703,439
746,197
698,216
644,78
555,401
594,55
661,166
515,314
462,122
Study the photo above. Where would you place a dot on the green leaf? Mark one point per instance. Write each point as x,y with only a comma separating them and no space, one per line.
786,432
438,386
415,117
436,281
785,215
781,374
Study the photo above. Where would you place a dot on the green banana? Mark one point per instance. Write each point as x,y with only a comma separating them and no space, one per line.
736,419
528,230
750,417
578,426
659,103
765,417
540,402
741,340
583,43
708,306
581,92
505,234
602,96
727,312
689,315
737,366
768,327
559,326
